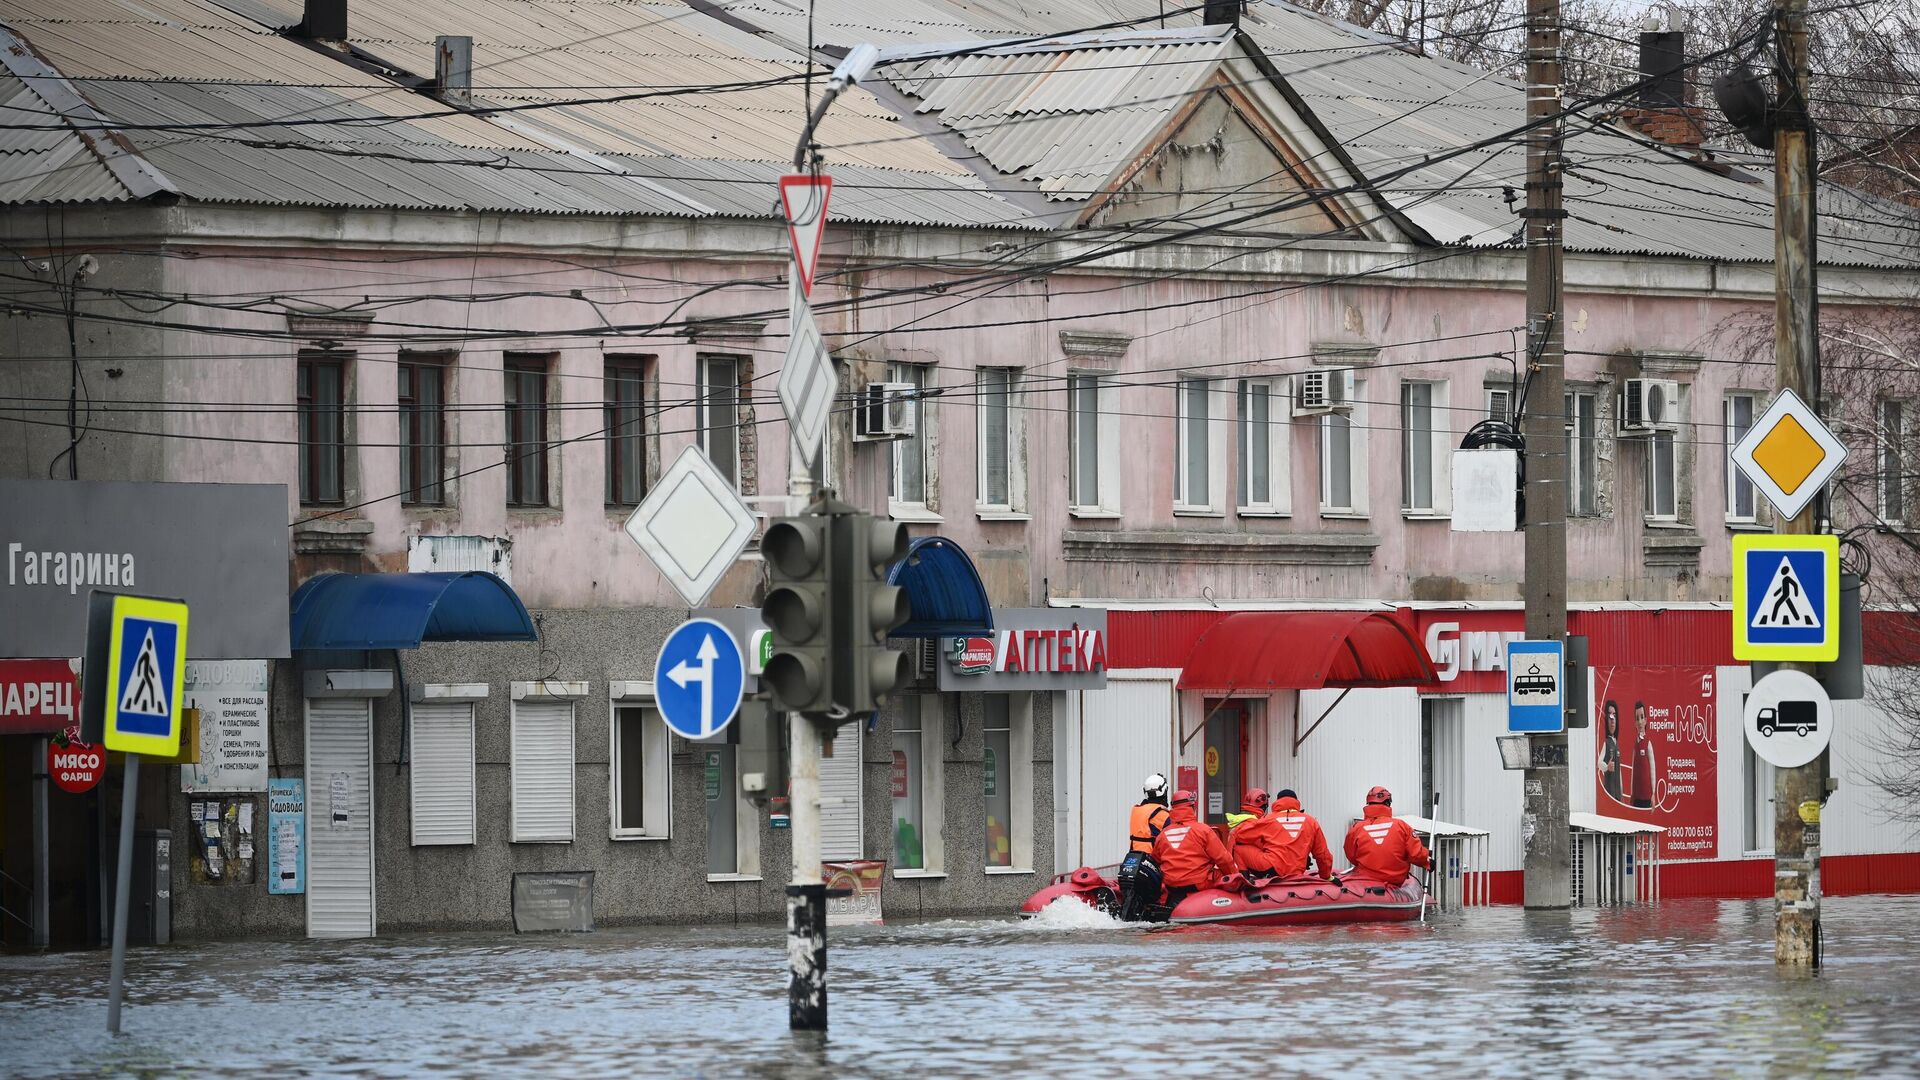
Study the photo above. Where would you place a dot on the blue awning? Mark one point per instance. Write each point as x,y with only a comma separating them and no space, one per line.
944,589
399,611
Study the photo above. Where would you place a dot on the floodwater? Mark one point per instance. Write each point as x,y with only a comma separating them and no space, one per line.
1683,988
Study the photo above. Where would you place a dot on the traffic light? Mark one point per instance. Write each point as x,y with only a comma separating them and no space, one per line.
799,610
867,609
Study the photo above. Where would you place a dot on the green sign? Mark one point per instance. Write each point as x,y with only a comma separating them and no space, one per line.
713,776
763,644
991,767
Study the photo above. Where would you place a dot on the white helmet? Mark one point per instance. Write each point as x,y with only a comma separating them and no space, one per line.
1155,786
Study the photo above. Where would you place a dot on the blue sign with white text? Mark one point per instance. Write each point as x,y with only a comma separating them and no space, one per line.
698,679
1536,685
1786,600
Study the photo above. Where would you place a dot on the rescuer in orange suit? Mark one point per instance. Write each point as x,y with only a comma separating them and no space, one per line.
1191,855
1253,838
1383,847
1300,837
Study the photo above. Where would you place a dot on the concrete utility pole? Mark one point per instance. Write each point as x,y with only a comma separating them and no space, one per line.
1797,792
1548,868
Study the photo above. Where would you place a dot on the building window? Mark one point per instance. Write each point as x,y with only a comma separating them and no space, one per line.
1893,435
1424,445
1662,480
541,782
422,398
719,763
1193,464
625,423
907,458
917,784
321,401
1582,454
993,407
527,442
1740,493
1006,764
1757,803
1343,459
1083,441
1500,403
441,760
719,408
642,782
1264,483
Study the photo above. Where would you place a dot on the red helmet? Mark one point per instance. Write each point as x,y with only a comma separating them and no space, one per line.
1379,796
1255,797
1184,797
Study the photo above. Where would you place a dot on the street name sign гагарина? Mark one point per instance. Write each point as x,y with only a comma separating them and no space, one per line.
1788,454
692,525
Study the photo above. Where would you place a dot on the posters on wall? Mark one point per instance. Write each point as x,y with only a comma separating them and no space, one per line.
232,698
1656,754
287,835
222,852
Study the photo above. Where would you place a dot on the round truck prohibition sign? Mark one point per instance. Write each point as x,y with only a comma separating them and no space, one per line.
1788,719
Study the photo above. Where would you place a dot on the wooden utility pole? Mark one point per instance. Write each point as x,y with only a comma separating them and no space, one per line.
1798,792
1544,820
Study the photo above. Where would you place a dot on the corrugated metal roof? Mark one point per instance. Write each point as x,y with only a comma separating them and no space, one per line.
1388,108
675,156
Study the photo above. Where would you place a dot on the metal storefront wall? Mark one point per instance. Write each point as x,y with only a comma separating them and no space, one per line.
340,854
442,765
1126,732
542,772
840,797
1372,738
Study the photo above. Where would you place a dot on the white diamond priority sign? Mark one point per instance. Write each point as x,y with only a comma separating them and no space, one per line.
1789,454
692,525
807,385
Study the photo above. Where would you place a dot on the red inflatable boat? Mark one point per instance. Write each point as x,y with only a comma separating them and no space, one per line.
1281,903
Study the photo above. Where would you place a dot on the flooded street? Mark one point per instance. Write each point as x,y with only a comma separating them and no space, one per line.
1684,988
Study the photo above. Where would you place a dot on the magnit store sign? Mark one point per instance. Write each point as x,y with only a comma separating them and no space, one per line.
1030,649
220,547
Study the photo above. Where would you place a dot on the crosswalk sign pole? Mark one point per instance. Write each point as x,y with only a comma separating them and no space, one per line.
123,885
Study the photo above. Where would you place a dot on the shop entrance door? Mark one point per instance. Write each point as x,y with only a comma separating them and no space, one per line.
340,817
1223,760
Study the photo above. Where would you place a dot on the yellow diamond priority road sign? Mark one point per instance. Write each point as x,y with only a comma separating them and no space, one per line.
1789,454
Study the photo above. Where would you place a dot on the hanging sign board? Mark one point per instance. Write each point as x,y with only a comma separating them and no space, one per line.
232,698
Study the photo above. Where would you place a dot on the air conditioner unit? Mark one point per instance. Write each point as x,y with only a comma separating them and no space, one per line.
926,656
887,411
1649,405
1325,391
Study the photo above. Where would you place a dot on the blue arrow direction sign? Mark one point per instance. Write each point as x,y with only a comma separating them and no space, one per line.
1536,694
698,679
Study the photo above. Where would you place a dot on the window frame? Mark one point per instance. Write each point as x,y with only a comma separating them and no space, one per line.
524,371
617,372
927,725
1211,427
515,772
1649,507
1736,480
705,401
656,763
1015,500
1019,775
1438,439
1892,479
415,785
310,413
407,403
1355,419
1279,500
1583,450
918,444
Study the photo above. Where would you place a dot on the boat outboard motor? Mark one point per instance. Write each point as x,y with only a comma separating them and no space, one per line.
1139,880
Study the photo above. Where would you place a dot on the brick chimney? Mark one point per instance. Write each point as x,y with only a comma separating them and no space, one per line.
1662,112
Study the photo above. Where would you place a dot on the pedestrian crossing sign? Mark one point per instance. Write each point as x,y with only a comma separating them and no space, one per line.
135,668
1786,597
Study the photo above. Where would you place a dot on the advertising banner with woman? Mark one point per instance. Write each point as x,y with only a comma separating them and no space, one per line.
1656,752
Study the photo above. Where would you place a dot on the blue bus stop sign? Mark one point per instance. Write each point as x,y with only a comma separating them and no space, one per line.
698,679
1536,694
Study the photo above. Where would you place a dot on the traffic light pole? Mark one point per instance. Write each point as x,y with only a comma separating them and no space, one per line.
1798,792
807,889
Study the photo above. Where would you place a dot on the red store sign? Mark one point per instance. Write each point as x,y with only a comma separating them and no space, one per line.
37,697
1030,649
77,766
1469,649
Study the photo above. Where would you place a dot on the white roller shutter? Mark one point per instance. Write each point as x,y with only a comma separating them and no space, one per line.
543,772
840,797
339,818
442,766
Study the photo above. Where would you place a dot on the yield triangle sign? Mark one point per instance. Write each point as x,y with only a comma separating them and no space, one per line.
804,200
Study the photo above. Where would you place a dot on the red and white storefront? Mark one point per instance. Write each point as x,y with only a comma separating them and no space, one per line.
1330,700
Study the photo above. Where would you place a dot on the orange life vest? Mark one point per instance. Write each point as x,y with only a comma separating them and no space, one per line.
1144,826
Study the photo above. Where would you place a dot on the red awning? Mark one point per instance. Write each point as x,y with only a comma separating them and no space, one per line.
1305,650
